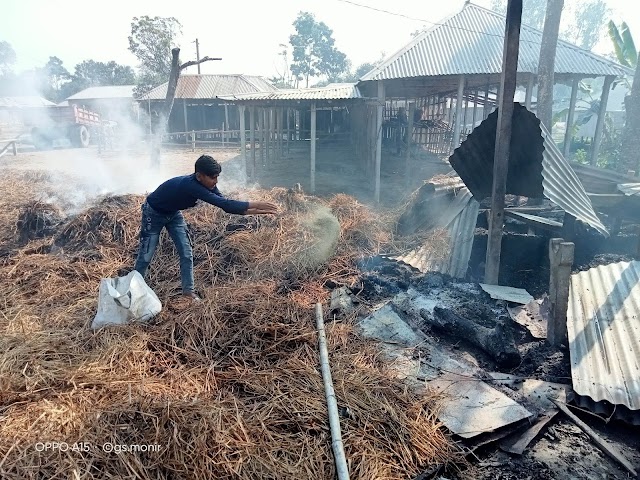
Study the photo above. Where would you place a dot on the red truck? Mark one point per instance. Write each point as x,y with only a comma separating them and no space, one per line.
48,124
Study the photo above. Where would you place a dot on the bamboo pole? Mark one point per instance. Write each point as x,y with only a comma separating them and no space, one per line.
332,403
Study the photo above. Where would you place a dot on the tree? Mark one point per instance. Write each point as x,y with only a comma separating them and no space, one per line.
583,27
7,58
56,76
627,55
90,73
547,61
532,11
623,44
586,28
151,41
314,53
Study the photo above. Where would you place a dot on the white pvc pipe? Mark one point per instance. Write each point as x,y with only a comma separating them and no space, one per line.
332,404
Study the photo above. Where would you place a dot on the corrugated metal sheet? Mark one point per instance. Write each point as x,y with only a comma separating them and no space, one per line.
338,91
24,101
604,334
471,42
212,86
599,180
629,188
95,93
459,217
536,166
563,187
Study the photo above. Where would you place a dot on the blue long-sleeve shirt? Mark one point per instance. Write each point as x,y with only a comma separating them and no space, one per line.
180,193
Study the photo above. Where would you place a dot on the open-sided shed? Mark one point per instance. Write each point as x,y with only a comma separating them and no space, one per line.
452,73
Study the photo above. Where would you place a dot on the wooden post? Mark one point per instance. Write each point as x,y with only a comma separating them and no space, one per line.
572,107
485,108
14,147
529,94
184,111
243,140
313,147
600,123
252,138
193,140
503,139
223,134
288,129
412,109
261,115
226,122
380,107
280,130
561,255
475,109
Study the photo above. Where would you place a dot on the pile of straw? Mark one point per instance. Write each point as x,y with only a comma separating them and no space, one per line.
227,388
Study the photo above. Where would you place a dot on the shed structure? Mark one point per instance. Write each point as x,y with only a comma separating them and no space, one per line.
198,106
452,74
304,119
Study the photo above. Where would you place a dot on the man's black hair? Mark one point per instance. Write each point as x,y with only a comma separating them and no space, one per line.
208,166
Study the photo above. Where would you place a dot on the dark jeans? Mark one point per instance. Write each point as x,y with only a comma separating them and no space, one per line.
152,224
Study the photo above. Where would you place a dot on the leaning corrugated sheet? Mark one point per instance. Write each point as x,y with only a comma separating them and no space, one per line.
629,188
472,41
562,186
211,86
536,166
459,218
339,91
604,334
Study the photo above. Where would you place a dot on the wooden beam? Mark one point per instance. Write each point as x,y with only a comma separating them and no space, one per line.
184,111
600,123
243,140
407,172
475,109
458,120
226,122
313,147
503,139
561,256
529,94
261,116
378,126
252,139
572,108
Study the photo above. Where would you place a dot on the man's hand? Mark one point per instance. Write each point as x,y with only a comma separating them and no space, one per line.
261,208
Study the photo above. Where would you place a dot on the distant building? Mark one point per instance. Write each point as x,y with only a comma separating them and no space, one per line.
112,102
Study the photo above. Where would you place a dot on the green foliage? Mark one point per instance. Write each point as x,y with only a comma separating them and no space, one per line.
7,58
581,156
151,41
623,44
314,53
609,156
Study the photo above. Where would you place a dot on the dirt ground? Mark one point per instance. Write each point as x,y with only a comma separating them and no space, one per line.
562,451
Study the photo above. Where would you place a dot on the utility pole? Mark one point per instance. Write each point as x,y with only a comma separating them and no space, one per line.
198,55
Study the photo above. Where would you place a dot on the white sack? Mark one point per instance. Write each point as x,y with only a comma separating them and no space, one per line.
125,299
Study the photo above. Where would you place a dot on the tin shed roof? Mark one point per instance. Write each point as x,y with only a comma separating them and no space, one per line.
211,86
104,92
333,91
472,42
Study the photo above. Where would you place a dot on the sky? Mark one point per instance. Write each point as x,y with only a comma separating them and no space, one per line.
245,33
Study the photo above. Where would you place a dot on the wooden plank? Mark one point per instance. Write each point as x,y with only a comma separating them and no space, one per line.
457,125
599,441
412,109
243,140
597,139
503,139
568,133
378,127
252,138
313,148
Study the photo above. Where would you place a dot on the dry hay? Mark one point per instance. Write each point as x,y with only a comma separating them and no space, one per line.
229,387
